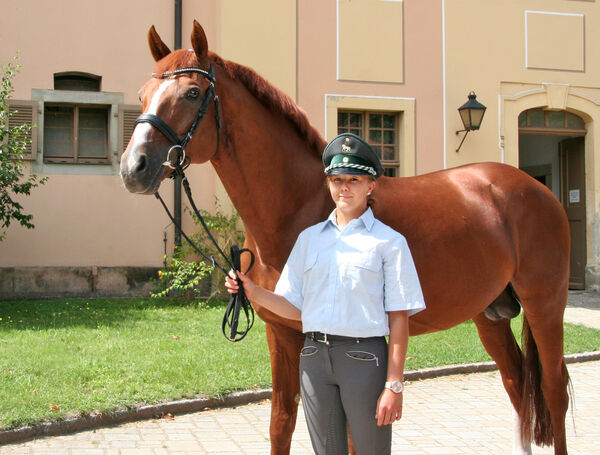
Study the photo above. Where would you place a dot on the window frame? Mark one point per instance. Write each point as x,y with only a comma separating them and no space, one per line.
365,115
404,107
112,101
75,158
547,128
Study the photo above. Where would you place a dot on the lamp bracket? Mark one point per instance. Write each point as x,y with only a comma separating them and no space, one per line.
463,139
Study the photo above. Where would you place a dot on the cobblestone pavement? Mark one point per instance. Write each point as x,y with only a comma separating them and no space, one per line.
584,309
462,414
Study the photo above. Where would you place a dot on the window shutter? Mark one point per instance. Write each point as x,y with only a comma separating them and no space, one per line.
25,112
128,113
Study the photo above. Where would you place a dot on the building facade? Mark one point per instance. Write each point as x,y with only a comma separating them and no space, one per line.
392,71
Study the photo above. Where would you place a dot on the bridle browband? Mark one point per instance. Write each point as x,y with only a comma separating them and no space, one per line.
178,163
167,131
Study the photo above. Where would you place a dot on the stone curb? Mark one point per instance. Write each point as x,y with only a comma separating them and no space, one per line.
93,421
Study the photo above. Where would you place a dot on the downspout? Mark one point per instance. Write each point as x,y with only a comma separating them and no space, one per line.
177,181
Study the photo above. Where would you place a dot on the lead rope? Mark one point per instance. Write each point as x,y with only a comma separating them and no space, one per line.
237,302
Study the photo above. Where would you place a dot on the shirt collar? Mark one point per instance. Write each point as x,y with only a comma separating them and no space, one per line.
367,218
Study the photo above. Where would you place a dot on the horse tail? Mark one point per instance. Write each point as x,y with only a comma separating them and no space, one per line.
536,423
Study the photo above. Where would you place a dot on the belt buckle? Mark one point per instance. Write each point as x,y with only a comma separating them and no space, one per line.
324,340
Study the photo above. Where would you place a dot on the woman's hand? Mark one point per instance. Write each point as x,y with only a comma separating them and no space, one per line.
261,296
232,285
389,407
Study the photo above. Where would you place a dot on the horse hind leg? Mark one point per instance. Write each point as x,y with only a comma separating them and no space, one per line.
500,343
546,378
506,306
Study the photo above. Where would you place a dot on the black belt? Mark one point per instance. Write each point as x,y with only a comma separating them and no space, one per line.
327,339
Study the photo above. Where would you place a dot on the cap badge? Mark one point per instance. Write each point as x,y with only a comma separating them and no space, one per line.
345,159
345,148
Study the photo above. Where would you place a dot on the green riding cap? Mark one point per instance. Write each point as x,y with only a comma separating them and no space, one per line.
349,154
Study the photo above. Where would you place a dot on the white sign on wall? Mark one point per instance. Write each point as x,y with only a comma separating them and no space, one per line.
573,196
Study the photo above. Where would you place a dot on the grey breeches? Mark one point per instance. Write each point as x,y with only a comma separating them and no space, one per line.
340,384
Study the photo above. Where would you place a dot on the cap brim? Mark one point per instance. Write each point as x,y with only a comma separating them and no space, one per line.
347,170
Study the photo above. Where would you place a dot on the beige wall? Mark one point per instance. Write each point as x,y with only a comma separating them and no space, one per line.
83,36
422,68
486,46
82,218
261,34
514,54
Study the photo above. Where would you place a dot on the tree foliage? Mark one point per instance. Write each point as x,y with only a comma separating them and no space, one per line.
13,144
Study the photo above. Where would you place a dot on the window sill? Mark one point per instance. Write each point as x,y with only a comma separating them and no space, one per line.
86,163
104,168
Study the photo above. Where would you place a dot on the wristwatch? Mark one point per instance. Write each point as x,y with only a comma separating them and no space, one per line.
394,386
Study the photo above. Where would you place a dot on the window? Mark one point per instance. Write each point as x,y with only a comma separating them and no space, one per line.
540,121
77,81
76,134
380,130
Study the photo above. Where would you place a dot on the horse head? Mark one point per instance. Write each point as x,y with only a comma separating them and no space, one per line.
179,108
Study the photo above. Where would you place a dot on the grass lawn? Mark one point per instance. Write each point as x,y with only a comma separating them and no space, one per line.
61,358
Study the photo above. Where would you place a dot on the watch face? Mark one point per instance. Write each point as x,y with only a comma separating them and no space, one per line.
396,386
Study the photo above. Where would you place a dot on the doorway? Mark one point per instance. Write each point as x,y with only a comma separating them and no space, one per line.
552,150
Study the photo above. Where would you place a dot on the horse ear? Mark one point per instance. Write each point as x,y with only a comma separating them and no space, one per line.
157,47
199,42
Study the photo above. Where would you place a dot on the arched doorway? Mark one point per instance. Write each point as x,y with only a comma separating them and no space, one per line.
552,150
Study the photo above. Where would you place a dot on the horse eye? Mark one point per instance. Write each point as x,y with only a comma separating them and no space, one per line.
193,93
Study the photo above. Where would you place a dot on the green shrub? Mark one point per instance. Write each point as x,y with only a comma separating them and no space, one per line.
188,275
13,143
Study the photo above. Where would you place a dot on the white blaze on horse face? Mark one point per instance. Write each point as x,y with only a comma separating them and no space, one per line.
142,130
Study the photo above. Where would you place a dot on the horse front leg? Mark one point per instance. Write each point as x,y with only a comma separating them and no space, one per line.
285,344
499,342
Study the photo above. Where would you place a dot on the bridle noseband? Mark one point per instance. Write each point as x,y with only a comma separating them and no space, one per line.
238,302
167,131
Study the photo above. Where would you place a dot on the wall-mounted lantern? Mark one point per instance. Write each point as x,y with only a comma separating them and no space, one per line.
471,114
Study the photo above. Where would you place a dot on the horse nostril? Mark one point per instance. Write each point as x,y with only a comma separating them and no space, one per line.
140,165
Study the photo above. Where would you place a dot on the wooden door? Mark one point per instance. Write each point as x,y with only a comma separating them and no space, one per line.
572,157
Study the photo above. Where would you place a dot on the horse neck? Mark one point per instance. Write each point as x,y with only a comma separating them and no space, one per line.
272,176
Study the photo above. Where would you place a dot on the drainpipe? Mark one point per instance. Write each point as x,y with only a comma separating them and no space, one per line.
177,182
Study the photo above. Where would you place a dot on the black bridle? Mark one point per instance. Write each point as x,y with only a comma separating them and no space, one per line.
178,163
167,131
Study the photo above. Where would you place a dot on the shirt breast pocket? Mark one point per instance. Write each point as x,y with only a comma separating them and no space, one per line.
368,261
362,272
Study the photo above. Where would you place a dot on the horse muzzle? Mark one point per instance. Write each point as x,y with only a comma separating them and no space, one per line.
141,172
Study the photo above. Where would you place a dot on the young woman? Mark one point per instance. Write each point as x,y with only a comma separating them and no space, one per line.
351,281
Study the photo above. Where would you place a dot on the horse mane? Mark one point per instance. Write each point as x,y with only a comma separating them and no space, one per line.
269,95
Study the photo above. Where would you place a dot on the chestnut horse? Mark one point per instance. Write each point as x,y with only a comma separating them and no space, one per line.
473,230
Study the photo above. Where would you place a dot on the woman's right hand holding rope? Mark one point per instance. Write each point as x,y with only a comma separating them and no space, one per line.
233,287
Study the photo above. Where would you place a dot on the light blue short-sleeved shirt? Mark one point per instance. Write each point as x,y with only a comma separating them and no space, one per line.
345,281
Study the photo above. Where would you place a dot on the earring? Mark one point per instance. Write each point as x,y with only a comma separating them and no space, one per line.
369,193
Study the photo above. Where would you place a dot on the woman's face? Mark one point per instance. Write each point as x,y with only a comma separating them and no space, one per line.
350,192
